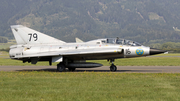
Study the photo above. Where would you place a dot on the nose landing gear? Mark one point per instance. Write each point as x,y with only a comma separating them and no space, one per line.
113,68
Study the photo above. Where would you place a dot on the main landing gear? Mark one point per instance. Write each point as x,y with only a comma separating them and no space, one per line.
61,67
113,68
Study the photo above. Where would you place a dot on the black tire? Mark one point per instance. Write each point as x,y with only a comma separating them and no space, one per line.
60,67
113,68
72,69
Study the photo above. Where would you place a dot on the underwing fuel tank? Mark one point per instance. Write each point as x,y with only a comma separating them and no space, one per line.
84,65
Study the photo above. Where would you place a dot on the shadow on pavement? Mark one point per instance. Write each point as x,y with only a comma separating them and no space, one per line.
54,70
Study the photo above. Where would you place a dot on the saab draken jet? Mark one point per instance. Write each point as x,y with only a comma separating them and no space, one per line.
33,46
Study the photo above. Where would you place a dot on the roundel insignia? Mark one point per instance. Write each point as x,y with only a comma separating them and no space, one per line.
139,51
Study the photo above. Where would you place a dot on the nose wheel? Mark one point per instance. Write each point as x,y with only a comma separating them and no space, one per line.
113,68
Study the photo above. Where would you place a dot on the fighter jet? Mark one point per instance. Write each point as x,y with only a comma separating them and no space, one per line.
33,46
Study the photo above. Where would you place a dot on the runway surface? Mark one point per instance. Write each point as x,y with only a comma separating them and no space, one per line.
120,69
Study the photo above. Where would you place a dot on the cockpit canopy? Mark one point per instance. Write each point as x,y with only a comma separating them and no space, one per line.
120,41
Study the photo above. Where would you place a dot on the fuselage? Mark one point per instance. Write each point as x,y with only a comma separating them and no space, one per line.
78,51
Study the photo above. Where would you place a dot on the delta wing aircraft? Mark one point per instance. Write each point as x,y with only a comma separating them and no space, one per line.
33,46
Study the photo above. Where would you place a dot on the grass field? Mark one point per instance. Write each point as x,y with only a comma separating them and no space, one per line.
88,86
92,86
160,60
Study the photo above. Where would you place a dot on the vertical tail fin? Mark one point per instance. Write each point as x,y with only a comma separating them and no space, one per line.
25,35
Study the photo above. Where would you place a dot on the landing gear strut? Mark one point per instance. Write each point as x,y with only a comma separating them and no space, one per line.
113,68
61,67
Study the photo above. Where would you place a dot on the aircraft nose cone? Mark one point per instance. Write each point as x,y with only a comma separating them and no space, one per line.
154,51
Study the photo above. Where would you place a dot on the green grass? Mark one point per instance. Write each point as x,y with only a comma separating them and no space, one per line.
140,61
91,86
88,86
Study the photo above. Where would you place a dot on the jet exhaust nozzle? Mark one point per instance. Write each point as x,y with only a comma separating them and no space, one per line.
154,51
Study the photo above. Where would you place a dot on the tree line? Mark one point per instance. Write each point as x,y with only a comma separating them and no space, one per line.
169,46
3,40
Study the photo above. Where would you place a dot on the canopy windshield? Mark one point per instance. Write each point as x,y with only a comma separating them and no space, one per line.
121,42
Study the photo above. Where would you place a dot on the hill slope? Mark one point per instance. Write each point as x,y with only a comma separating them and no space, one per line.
149,21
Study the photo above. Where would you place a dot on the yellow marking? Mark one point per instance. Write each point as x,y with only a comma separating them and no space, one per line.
115,51
106,45
120,46
25,49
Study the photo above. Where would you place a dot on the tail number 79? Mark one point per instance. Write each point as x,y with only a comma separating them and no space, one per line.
33,36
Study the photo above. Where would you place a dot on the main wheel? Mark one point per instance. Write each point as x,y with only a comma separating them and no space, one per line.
72,69
61,67
113,68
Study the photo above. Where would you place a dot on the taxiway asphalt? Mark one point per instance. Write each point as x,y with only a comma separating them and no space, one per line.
120,69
